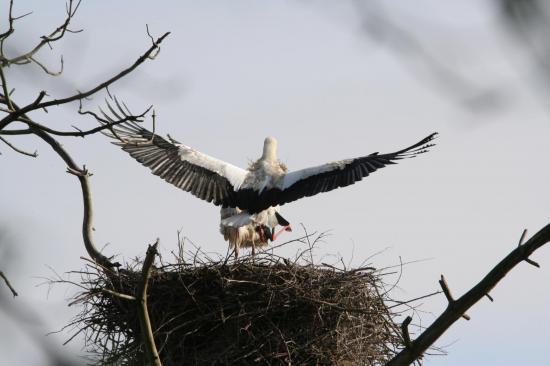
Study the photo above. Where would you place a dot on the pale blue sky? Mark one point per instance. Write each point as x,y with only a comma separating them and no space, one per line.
305,72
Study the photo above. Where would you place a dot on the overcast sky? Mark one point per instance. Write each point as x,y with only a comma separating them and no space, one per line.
327,86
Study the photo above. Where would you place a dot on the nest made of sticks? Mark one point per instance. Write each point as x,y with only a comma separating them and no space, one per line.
265,310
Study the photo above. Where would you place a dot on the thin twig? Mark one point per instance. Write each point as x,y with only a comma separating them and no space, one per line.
119,295
16,149
45,68
400,303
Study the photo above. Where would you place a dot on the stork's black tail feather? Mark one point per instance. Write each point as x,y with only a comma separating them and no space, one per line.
281,220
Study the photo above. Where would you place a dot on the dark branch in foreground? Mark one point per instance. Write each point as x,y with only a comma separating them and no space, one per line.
145,322
14,293
457,308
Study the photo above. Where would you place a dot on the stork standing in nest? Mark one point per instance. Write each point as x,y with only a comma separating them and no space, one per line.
250,198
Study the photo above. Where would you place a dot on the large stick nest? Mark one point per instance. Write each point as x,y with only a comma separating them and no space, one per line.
264,310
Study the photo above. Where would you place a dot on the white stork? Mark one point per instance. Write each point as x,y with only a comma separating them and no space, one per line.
249,198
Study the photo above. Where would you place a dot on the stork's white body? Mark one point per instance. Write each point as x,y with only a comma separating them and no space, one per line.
239,228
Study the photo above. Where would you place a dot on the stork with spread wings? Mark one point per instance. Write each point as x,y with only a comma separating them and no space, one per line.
249,198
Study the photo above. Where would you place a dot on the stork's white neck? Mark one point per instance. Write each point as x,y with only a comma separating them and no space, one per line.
270,149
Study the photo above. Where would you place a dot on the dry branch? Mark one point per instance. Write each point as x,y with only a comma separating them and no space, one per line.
82,175
18,150
143,313
457,308
82,95
3,276
53,36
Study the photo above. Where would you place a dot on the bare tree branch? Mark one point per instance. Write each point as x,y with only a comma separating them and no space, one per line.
16,149
14,293
82,174
6,94
25,131
119,295
145,322
81,95
10,30
53,36
105,124
457,308
46,69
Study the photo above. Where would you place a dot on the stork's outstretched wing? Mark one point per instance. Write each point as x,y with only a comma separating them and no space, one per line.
324,178
208,178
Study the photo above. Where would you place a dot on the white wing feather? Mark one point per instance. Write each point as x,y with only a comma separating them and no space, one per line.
295,176
232,173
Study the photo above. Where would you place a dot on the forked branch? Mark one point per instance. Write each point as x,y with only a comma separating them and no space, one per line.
457,308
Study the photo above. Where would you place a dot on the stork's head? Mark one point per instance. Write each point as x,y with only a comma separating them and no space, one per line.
270,149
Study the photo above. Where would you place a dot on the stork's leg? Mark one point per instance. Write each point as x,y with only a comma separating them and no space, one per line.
236,243
284,228
262,234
